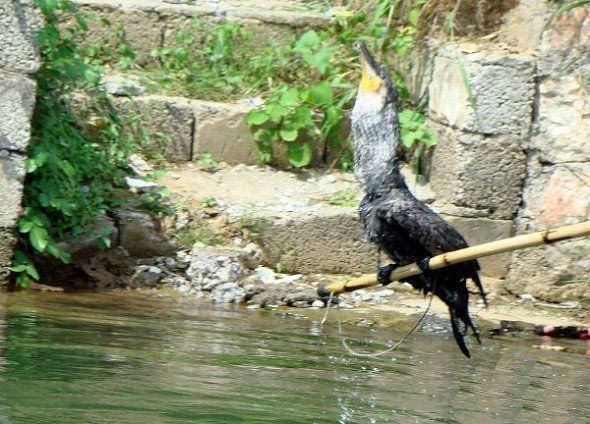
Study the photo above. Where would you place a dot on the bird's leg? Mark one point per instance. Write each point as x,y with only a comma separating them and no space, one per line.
423,264
384,273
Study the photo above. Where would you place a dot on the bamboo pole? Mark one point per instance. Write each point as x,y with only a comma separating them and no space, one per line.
467,254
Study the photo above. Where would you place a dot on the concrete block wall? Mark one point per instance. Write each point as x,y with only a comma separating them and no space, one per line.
480,103
557,187
20,21
513,155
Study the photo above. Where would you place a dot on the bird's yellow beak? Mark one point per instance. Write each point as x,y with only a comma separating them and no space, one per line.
370,83
370,80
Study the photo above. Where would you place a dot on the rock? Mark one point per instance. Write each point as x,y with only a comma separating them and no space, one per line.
266,275
228,293
478,172
177,282
7,242
148,276
168,120
212,266
300,295
123,85
272,296
140,185
109,269
139,166
12,176
300,304
170,263
252,256
17,98
524,24
563,119
142,236
317,304
527,298
88,244
565,43
289,279
482,90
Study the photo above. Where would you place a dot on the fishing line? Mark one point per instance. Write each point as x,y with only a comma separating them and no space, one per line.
383,352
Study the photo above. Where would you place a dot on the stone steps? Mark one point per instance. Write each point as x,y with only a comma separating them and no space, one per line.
149,24
290,217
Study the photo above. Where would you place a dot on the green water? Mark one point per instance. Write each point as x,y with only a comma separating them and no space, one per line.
140,358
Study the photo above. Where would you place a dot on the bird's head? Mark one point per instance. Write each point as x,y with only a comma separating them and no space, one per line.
375,85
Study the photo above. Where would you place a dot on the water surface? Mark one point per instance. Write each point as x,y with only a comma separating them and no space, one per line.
144,358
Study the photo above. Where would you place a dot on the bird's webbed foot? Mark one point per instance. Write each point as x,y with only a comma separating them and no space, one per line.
423,264
384,273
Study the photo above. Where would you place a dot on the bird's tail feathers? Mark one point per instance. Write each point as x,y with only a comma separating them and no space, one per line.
457,333
482,293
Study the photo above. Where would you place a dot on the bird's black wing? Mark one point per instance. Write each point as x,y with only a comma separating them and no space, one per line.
421,226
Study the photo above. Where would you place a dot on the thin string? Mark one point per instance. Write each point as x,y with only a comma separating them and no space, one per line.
395,346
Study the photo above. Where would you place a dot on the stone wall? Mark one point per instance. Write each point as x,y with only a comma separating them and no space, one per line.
513,153
19,60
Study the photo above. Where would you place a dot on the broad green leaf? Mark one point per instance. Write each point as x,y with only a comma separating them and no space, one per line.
276,112
32,272
39,238
308,41
24,225
321,94
289,97
30,165
300,154
319,60
19,268
288,135
301,118
257,117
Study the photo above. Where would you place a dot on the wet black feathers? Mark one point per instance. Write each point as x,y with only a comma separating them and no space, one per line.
408,231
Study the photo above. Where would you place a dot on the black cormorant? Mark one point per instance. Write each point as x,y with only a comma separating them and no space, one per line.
402,226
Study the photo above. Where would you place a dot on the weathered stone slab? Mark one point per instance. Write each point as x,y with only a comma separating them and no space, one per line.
565,44
168,122
482,230
478,172
524,24
12,175
142,235
553,196
17,98
327,240
7,242
149,24
19,23
480,90
221,130
563,128
110,25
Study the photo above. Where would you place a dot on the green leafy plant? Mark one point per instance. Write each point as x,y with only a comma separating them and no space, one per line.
71,171
299,115
209,201
207,163
345,197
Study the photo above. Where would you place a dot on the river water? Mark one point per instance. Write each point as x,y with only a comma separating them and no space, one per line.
143,358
